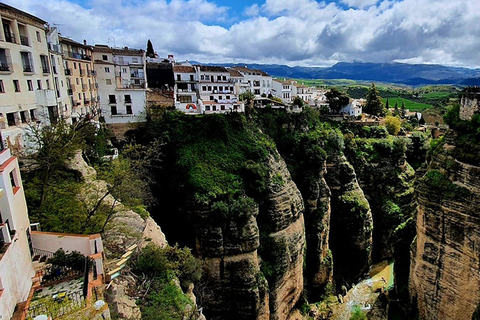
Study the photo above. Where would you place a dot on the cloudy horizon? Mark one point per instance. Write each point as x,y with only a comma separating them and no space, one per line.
302,32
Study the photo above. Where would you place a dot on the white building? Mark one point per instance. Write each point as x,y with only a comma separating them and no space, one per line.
27,89
121,81
285,90
60,83
216,90
16,268
257,81
241,85
354,108
186,89
306,94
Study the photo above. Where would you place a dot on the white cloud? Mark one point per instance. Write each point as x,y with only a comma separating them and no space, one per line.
299,32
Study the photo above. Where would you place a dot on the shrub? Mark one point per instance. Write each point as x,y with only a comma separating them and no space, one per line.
393,125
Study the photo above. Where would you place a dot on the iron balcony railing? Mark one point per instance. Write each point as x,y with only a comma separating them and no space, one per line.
24,40
27,68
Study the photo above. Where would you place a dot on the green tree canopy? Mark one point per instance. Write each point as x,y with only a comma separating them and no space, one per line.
374,105
337,99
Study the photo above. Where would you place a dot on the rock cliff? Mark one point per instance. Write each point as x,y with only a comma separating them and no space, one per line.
351,222
254,258
445,268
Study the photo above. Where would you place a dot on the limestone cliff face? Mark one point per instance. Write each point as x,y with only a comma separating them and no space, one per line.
281,222
351,221
229,246
445,268
319,265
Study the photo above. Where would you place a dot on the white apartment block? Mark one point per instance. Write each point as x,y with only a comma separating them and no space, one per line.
306,94
285,90
256,81
16,268
78,69
186,89
217,91
121,81
27,83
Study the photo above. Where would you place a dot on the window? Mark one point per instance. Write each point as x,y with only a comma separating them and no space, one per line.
16,85
227,97
11,119
112,99
222,107
39,39
129,109
202,77
4,60
48,84
107,69
27,61
128,98
207,108
76,79
209,88
39,84
2,88
30,85
191,77
212,98
44,60
134,60
214,108
104,57
113,110
186,99
108,82
12,180
204,88
32,114
74,65
23,116
224,78
179,77
220,98
124,70
219,78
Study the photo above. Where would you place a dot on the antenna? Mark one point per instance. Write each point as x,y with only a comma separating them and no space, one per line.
57,26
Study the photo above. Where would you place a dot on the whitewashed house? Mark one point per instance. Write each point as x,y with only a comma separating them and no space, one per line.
121,81
354,107
285,90
186,89
216,90
257,81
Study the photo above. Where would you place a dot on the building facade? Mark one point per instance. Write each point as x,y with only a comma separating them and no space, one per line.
121,82
27,89
257,81
186,89
285,89
80,77
216,90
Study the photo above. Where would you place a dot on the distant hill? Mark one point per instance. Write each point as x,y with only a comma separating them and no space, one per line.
402,73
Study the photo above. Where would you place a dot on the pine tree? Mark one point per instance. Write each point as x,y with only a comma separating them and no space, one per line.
396,112
404,112
374,105
387,106
150,51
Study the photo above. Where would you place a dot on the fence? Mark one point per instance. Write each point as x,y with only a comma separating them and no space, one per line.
57,305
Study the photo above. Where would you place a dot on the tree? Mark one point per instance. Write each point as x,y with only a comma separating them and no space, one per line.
150,52
387,106
374,105
396,112
337,99
249,98
404,111
393,125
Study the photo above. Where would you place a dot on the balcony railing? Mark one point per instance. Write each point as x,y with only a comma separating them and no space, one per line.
24,40
10,37
27,68
68,72
79,56
4,67
45,69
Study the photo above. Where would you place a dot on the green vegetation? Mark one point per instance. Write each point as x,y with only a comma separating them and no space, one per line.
358,314
374,104
409,104
337,99
393,125
444,187
160,267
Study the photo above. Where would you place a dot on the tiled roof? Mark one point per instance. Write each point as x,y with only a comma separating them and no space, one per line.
213,69
253,71
235,73
184,69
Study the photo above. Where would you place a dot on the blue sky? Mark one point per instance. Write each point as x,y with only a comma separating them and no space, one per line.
300,32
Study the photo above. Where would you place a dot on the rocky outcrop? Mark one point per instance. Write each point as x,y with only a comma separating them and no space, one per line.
254,257
319,264
445,267
351,222
469,105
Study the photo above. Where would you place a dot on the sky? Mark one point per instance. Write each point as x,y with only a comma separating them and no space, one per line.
292,32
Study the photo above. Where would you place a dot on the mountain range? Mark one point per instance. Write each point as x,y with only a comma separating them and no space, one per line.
400,73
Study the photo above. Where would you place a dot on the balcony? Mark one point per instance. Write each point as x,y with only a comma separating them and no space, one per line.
45,97
80,56
5,67
24,40
91,72
68,72
28,68
10,37
86,101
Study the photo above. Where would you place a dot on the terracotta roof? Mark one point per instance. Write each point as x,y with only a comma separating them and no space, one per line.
118,51
235,73
183,69
254,71
213,69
